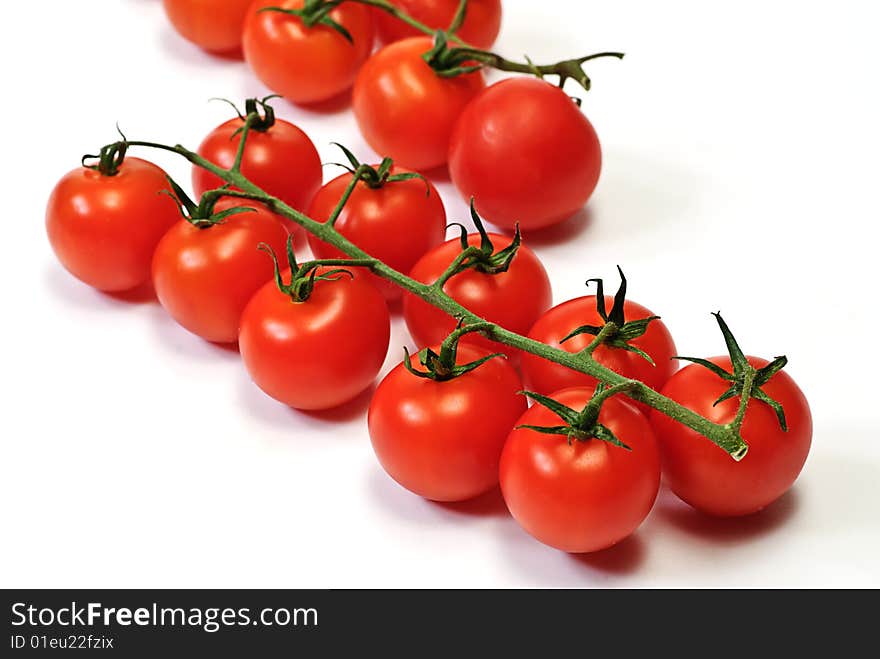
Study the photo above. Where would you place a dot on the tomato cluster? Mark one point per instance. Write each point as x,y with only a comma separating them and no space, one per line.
522,147
581,468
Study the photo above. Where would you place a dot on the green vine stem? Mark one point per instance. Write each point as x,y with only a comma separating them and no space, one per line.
725,436
462,58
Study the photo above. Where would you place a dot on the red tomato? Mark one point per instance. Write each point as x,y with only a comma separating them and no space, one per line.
585,495
282,161
306,64
513,299
527,153
545,377
396,223
480,28
320,353
704,475
443,440
204,277
214,26
404,109
104,228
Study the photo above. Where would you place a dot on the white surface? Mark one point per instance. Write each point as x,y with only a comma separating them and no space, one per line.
741,173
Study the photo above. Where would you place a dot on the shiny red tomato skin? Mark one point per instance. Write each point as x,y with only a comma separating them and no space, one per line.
204,278
397,223
527,153
405,110
584,496
480,28
104,229
545,377
705,476
281,161
307,65
443,440
317,354
513,299
213,26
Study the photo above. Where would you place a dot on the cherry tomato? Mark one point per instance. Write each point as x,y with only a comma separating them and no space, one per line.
513,299
544,377
404,109
281,160
584,495
480,28
704,475
306,64
104,229
396,223
443,440
320,353
204,277
527,153
213,26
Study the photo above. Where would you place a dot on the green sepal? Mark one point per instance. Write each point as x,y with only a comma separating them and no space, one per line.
110,157
202,215
315,13
377,177
487,260
624,332
740,367
449,62
262,114
436,369
302,277
583,425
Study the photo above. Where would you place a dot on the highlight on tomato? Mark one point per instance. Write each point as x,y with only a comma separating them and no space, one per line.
208,265
509,286
774,420
405,109
629,339
212,26
305,53
527,153
316,336
391,213
581,470
439,420
480,28
104,220
278,157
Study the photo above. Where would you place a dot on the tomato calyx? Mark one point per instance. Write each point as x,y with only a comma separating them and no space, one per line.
443,366
110,157
581,425
315,12
202,215
451,62
617,332
377,177
256,110
304,277
746,380
483,258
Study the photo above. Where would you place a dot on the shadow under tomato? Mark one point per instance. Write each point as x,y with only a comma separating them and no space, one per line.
142,294
439,174
339,103
353,409
489,504
623,558
564,232
727,530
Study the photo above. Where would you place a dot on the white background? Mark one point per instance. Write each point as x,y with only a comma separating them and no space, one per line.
741,174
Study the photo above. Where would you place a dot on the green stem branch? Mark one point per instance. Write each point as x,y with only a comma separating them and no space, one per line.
725,436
